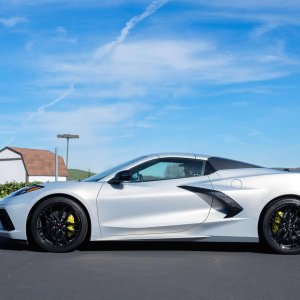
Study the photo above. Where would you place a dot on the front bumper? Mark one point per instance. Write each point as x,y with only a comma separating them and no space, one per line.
5,221
13,217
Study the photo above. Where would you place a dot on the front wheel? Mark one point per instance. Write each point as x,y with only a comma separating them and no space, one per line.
59,225
281,226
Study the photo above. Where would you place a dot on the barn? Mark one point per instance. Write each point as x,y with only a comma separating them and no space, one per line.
29,165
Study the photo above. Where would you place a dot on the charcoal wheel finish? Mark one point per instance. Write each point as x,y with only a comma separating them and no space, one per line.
281,226
59,225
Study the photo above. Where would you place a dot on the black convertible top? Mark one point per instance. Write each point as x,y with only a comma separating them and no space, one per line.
218,163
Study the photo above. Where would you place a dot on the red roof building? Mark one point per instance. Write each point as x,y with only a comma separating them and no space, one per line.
29,165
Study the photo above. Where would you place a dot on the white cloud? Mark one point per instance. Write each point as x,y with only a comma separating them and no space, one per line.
11,22
263,29
241,103
25,3
175,54
106,49
165,62
254,133
262,21
61,30
62,36
96,125
250,4
234,140
264,16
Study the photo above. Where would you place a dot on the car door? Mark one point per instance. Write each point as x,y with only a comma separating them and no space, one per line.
155,201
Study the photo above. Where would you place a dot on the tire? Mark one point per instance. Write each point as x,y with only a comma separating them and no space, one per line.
58,225
281,226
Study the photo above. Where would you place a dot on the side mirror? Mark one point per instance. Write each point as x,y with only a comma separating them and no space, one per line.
120,177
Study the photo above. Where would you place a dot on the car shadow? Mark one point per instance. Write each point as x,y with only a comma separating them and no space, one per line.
173,246
7,244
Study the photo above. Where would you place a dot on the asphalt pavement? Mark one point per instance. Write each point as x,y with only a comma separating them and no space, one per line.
148,270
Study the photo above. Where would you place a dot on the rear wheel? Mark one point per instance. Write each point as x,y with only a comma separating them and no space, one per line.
281,226
59,225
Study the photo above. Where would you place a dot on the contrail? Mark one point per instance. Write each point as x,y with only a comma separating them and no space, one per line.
150,9
69,91
42,108
99,53
39,111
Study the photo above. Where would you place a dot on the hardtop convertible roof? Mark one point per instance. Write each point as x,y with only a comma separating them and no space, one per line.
213,164
219,163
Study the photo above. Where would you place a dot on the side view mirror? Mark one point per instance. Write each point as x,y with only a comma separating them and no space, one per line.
120,177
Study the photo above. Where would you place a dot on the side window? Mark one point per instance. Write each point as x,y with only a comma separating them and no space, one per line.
169,168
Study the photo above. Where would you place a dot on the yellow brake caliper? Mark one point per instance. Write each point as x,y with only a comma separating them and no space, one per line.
277,222
71,222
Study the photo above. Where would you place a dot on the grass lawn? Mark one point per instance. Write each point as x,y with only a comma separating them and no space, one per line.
75,174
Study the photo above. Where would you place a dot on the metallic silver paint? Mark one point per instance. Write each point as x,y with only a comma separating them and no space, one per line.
160,210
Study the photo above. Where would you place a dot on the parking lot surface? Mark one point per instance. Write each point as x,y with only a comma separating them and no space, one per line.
148,270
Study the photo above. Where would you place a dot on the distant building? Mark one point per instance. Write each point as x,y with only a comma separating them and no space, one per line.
29,165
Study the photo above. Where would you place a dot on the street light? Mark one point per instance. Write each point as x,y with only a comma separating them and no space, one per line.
68,137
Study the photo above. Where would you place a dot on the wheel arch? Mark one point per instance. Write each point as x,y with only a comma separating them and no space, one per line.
28,232
261,216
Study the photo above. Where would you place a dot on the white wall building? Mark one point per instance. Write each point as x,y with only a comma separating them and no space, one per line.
29,165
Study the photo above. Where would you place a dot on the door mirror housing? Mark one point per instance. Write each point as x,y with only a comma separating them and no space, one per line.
120,177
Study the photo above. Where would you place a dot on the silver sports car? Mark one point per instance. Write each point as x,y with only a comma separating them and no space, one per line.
161,197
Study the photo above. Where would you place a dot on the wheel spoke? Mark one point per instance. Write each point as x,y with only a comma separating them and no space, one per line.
49,209
67,242
297,235
47,217
291,238
274,220
43,227
64,216
48,235
279,232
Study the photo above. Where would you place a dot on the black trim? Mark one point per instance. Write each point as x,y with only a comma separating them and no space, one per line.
24,190
209,169
10,159
232,208
6,221
219,163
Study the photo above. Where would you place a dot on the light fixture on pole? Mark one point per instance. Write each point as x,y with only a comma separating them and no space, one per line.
67,137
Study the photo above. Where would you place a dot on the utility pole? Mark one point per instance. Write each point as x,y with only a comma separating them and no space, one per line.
67,136
56,164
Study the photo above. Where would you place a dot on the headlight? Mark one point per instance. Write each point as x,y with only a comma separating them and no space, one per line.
26,190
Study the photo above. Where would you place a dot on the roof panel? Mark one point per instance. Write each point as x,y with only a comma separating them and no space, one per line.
41,162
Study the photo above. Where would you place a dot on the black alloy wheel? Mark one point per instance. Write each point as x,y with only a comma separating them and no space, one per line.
281,226
59,225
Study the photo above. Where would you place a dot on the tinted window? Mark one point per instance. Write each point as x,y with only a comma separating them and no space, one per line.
101,175
163,169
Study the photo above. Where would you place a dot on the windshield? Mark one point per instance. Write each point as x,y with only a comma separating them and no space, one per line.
103,174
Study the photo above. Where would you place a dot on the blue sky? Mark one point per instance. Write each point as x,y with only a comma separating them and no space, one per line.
135,77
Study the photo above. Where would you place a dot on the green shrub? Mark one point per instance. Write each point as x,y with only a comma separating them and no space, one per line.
10,187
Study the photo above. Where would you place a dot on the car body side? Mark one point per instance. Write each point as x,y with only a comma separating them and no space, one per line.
251,188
